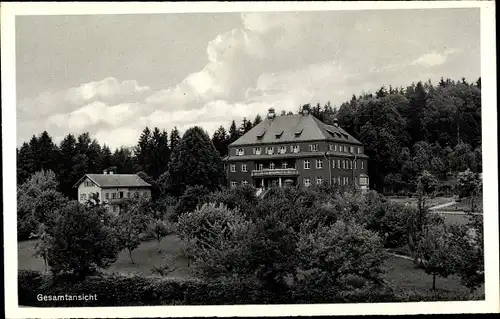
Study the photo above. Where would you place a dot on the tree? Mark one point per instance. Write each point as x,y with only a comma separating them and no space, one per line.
467,253
144,150
330,254
195,162
220,139
190,200
469,185
433,253
175,139
130,224
234,133
257,120
37,199
81,244
43,244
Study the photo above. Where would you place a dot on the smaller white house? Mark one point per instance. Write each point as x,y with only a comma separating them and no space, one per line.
112,188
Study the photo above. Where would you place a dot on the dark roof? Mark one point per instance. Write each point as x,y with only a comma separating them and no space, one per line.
115,180
293,128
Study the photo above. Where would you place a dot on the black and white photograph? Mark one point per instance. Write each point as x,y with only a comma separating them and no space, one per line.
340,157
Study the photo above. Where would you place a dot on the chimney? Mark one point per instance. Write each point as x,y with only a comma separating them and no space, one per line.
335,122
271,114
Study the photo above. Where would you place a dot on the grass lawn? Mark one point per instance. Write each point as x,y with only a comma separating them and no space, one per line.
414,201
145,256
403,275
455,218
408,279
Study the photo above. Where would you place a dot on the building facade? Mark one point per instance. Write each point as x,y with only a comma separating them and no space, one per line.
111,189
296,150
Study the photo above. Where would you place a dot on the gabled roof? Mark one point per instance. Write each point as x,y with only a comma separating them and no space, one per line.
293,128
114,180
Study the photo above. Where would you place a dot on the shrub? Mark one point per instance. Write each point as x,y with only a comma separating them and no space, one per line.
193,197
81,243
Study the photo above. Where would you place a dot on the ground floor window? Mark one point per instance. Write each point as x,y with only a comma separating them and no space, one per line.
233,183
83,196
307,181
319,180
244,182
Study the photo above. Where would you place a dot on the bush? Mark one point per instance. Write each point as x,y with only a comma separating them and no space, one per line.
81,242
122,290
193,197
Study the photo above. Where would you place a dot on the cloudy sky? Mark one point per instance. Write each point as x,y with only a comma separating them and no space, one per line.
112,75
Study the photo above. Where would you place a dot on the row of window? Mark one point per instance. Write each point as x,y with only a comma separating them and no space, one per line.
235,183
269,150
340,164
339,180
88,183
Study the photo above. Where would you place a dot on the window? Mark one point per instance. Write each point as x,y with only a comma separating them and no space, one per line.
113,195
343,164
106,196
352,149
307,164
284,165
363,180
271,165
335,147
88,184
83,196
319,180
350,164
233,168
338,180
319,164
244,182
338,164
330,147
359,150
282,150
313,147
233,183
270,150
333,163
128,194
121,194
261,167
296,148
362,164
307,181
257,151
244,168
240,152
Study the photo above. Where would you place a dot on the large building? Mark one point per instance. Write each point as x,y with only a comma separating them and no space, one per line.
112,188
296,150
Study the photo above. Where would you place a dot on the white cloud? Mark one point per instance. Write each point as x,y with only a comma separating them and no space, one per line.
279,60
431,59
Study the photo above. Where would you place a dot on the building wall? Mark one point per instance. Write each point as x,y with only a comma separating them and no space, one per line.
87,190
107,192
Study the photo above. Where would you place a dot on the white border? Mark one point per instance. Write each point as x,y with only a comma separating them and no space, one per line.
489,147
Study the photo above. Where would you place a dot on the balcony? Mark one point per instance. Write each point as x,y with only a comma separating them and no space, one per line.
275,172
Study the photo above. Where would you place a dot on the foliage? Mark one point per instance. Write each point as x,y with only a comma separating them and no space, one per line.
329,254
81,242
37,198
433,253
122,290
467,253
195,162
190,200
130,224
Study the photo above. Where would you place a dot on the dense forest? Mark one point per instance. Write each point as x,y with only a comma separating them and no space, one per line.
405,130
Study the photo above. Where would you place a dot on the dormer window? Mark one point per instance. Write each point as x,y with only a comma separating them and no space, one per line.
257,150
282,149
345,136
270,150
240,152
297,133
278,135
261,135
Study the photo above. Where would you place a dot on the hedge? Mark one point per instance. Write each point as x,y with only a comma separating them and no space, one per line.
131,290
